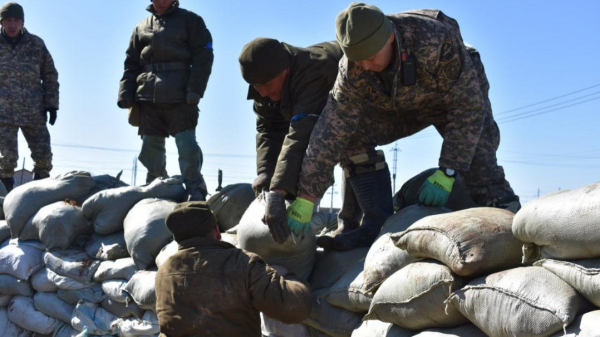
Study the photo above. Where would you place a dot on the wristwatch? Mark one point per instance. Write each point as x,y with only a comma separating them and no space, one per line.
448,172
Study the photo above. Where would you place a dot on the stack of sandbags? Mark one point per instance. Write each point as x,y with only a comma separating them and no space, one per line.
230,204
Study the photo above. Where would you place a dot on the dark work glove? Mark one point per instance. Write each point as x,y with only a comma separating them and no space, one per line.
276,216
192,98
262,182
52,113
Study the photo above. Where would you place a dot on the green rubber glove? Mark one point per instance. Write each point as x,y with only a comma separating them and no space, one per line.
298,216
436,189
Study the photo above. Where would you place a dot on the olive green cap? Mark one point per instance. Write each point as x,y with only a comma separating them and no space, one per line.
362,30
191,219
12,10
262,60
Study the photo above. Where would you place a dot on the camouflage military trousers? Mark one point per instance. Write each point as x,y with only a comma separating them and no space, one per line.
38,140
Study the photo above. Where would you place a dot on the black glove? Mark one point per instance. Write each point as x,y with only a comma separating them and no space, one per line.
125,104
276,216
262,182
52,113
192,98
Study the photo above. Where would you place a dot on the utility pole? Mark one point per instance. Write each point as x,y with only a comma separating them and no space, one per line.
395,149
134,171
538,195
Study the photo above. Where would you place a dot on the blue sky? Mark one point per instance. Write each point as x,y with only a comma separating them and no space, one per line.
541,59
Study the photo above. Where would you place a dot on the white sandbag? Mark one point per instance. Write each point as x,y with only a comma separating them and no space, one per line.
97,320
404,218
119,269
274,328
323,222
145,230
586,325
114,290
331,265
52,306
25,200
347,293
469,330
375,328
562,226
61,282
4,231
525,301
40,281
295,254
230,204
107,247
22,312
8,328
582,275
413,297
109,208
229,238
4,300
331,320
29,231
147,325
59,224
93,294
73,263
122,310
471,242
166,252
10,285
66,330
20,260
141,289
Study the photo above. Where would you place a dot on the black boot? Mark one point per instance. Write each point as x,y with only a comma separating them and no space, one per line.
196,192
9,183
40,175
348,217
373,192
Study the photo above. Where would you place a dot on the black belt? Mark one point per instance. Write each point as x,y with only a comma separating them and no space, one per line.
156,67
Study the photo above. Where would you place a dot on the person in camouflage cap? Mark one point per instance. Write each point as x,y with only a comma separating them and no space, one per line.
169,61
289,86
400,74
28,94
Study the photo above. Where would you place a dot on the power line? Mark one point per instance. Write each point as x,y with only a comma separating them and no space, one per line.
516,118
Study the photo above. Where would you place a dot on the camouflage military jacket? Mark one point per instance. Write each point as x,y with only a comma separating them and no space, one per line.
168,55
446,94
284,127
28,81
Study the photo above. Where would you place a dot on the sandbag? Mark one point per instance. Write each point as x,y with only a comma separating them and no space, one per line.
141,289
230,204
562,226
525,301
413,297
166,252
59,224
408,194
20,260
333,321
107,247
109,208
10,285
404,218
375,328
4,231
51,305
7,328
29,231
582,275
25,200
22,312
147,325
586,325
471,242
295,255
97,320
59,281
122,310
40,281
93,294
145,230
119,269
331,265
323,222
273,328
114,290
347,293
66,330
229,238
469,330
73,263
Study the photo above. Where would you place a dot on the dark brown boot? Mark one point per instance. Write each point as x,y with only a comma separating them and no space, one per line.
348,218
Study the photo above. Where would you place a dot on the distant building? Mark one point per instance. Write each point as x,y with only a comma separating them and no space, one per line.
22,177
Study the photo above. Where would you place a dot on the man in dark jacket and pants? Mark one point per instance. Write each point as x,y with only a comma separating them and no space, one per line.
211,288
169,61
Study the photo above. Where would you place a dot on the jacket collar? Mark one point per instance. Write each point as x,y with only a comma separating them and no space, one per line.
151,9
204,242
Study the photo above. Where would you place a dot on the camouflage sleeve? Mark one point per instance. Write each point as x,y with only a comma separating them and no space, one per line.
200,42
464,103
49,77
271,129
128,85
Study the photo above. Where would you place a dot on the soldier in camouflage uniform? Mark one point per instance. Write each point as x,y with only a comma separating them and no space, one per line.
400,74
169,61
28,93
289,86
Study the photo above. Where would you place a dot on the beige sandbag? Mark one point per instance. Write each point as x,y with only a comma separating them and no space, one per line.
583,275
414,297
468,330
471,242
525,301
562,226
333,321
586,325
166,252
331,265
230,204
346,293
375,328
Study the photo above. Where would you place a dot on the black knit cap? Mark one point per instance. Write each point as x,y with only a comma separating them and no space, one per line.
262,60
12,10
191,219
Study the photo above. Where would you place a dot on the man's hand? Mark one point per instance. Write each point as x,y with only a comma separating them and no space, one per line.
262,182
275,216
299,214
125,104
52,113
192,98
436,189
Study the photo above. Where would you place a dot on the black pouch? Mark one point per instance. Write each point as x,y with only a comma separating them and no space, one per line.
408,69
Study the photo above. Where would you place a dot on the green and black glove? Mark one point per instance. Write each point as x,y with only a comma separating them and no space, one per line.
436,189
299,215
